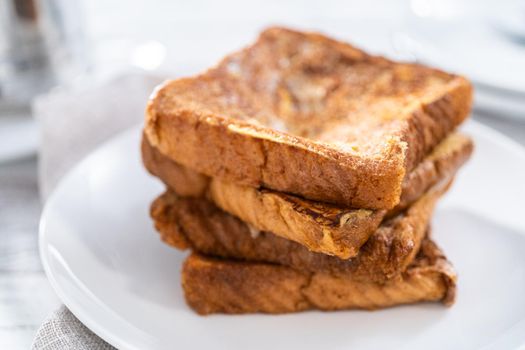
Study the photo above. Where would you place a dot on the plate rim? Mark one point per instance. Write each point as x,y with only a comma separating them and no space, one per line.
82,315
419,46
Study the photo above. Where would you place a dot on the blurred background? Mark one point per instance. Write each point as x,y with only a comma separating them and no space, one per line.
74,73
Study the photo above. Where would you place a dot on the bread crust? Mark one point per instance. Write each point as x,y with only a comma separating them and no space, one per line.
303,114
214,285
189,223
320,227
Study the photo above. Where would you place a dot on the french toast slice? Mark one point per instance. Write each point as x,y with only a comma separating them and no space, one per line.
301,113
321,227
197,224
214,285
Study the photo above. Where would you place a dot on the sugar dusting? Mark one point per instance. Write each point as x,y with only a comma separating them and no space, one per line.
254,233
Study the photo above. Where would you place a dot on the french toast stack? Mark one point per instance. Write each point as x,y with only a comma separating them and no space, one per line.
302,173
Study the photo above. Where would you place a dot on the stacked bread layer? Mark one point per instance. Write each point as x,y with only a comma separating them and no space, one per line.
303,174
235,247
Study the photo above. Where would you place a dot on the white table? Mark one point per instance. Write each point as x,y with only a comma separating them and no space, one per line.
26,297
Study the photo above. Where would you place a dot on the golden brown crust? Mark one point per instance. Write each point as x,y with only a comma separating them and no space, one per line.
199,225
442,163
187,182
294,113
212,286
227,286
320,227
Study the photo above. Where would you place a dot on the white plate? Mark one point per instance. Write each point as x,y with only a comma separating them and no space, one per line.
494,64
498,104
470,41
107,264
478,51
